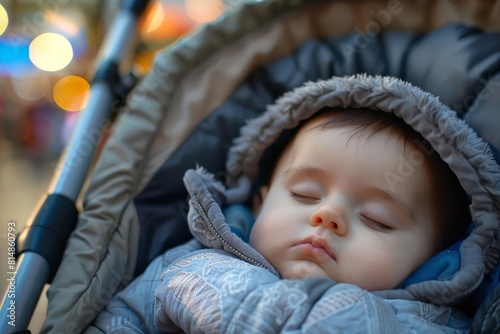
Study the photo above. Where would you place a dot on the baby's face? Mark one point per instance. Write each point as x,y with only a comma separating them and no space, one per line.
356,211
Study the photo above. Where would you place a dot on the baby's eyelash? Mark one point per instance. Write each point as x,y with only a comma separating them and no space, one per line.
377,225
303,197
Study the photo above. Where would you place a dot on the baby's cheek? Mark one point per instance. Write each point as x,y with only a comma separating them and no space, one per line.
386,273
258,236
265,238
267,226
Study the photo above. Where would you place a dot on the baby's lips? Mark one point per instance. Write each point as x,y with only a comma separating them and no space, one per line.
318,242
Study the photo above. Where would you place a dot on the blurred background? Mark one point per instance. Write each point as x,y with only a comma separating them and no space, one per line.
48,50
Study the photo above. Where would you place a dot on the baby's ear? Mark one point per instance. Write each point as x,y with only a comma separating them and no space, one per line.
258,199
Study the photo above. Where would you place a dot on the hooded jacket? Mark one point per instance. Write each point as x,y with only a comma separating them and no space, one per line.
219,283
467,155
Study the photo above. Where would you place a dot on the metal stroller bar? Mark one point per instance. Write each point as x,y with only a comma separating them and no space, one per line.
41,245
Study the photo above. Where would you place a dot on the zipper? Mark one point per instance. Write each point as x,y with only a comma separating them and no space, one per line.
221,239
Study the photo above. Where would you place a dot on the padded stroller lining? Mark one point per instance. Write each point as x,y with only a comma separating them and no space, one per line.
395,54
480,117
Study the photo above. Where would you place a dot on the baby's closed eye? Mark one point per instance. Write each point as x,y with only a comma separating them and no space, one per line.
376,224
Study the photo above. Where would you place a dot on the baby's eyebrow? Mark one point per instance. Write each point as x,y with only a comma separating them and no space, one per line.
304,171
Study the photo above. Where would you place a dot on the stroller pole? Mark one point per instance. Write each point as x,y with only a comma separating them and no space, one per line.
41,245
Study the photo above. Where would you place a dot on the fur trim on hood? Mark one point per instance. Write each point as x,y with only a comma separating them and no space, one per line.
468,156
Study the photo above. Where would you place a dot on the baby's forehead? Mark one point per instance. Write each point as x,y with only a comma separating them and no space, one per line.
366,124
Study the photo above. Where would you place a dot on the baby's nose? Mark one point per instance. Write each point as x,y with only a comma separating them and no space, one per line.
329,217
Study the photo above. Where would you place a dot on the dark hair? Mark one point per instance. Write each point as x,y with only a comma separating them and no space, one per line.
455,209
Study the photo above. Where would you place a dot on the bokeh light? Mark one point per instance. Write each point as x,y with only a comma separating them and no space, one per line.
164,22
31,87
62,23
203,11
155,17
4,19
71,93
51,52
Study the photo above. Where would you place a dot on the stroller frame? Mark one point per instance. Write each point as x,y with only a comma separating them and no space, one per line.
39,248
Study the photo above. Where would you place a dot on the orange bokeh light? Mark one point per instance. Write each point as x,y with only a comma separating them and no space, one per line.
203,11
71,93
164,21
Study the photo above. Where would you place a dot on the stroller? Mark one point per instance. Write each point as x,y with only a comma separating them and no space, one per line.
135,206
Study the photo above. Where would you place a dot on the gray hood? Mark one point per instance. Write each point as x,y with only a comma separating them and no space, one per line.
468,156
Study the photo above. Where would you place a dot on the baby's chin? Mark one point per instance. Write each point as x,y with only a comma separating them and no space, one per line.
303,270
